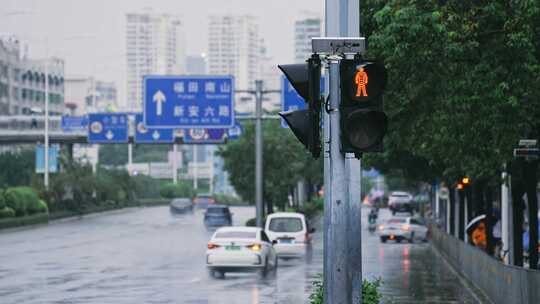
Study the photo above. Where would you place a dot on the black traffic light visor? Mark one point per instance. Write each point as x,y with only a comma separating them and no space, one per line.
366,128
298,121
297,74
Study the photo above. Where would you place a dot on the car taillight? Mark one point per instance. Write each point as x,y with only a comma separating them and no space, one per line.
212,246
381,227
306,238
255,247
406,227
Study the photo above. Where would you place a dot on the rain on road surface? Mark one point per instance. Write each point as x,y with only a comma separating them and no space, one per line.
147,255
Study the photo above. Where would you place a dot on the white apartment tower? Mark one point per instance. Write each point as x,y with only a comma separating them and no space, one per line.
305,28
234,48
155,44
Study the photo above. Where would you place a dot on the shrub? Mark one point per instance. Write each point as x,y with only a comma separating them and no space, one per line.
228,199
22,200
182,189
6,212
252,222
2,200
42,207
370,292
146,186
311,209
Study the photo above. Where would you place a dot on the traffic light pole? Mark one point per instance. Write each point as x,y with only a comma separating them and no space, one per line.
337,271
342,216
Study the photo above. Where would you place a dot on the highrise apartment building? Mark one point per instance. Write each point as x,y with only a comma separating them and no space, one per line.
155,44
305,28
234,48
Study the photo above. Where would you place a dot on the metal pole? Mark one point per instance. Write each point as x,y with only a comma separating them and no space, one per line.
327,245
195,173
354,237
343,263
175,164
337,277
505,235
130,158
46,150
258,154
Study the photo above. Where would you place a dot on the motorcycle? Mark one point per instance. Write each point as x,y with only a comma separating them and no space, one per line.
372,225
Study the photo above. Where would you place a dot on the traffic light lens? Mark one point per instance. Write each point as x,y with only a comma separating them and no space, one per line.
366,128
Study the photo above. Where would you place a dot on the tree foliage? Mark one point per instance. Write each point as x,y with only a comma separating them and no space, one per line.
285,162
464,81
17,168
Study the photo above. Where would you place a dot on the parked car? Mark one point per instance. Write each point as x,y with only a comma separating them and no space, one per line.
240,249
400,202
403,228
217,216
290,234
202,201
181,205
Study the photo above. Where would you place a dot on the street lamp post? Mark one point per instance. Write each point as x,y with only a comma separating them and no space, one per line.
46,135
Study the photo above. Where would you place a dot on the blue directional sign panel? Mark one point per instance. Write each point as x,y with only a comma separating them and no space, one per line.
235,132
53,159
147,135
74,123
290,99
188,102
205,136
107,128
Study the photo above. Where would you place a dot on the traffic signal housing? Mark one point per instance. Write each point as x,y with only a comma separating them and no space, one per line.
305,124
363,121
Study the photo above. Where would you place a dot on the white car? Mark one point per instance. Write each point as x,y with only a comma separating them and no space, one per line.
289,233
403,228
240,249
400,202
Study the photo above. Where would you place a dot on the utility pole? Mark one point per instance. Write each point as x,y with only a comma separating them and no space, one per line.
258,153
175,163
259,93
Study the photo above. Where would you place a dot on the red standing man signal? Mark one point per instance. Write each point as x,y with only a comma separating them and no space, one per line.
361,80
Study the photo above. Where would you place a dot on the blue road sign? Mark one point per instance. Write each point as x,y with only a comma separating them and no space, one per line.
107,128
290,99
151,135
235,132
189,102
53,158
205,136
74,123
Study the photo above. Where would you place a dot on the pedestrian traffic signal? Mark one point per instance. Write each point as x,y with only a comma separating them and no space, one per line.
305,124
363,122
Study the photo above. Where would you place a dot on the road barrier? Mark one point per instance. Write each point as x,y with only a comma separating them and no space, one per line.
501,283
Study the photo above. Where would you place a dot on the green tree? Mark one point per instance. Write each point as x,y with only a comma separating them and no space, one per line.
17,168
463,82
285,162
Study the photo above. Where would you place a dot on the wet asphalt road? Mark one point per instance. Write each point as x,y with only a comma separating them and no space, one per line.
147,255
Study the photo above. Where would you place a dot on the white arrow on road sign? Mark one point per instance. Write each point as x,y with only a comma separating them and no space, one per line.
155,135
159,99
109,135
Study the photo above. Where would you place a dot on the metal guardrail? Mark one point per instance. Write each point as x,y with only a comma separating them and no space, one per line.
501,283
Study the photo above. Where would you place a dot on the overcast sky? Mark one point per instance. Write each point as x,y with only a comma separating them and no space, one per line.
89,34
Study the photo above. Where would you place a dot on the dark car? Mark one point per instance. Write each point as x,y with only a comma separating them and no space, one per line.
181,205
202,201
217,216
